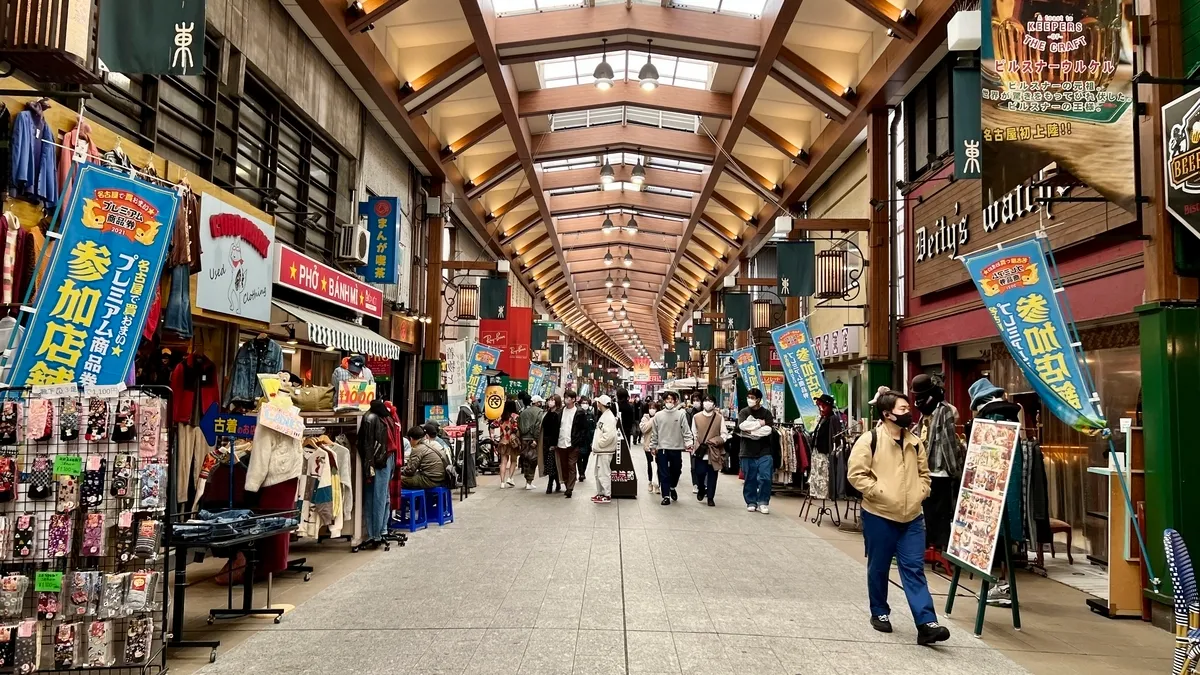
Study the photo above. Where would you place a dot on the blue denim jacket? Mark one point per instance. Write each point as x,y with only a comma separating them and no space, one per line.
252,360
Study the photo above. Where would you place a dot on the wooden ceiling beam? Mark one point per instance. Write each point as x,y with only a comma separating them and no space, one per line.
625,92
517,200
442,81
773,139
729,205
472,137
362,20
884,13
502,171
526,224
831,224
813,85
666,143
611,199
646,224
623,173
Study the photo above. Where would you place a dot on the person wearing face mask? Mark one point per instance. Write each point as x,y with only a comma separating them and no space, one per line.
589,415
670,435
708,428
607,436
755,423
937,432
644,427
889,466
551,423
696,405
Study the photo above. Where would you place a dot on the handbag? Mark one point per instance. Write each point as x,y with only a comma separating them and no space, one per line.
313,398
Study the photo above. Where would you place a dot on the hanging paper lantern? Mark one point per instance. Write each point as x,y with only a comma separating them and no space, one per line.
493,398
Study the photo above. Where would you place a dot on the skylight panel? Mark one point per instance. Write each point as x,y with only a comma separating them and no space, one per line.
514,6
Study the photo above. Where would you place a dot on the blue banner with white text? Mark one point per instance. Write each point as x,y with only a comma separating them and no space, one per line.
1017,284
383,222
94,297
479,360
802,367
537,375
746,360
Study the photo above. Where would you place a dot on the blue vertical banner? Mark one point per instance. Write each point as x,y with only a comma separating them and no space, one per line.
382,216
478,360
1019,289
746,360
93,299
802,368
537,375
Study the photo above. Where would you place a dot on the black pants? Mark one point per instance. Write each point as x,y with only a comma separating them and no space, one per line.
649,467
705,477
583,460
670,466
939,511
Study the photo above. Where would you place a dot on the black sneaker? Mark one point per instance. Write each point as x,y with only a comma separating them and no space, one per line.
568,494
932,632
711,502
700,496
674,495
881,623
666,501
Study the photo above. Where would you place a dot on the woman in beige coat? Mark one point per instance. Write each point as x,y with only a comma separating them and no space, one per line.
708,428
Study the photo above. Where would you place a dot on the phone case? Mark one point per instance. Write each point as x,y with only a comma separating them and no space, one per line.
40,424
41,477
29,646
58,536
48,605
10,417
137,640
125,426
66,645
93,534
99,647
24,536
97,421
68,424
12,595
149,429
122,475
68,494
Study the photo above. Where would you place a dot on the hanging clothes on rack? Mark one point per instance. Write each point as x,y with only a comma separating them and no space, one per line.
17,260
77,141
5,148
33,165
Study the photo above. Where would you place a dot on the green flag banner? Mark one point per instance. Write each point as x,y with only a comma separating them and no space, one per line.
797,260
493,298
537,338
152,37
682,350
556,352
702,333
737,311
672,360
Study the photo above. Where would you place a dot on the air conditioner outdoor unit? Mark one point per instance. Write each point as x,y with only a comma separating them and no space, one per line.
353,244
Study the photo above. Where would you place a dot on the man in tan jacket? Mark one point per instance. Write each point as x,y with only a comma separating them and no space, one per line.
889,466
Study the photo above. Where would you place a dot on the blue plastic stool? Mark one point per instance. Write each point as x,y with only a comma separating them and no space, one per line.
412,510
441,507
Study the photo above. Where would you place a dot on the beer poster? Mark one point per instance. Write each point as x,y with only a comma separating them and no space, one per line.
1181,145
1057,87
987,469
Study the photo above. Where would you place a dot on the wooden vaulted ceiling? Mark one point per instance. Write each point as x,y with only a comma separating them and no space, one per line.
476,91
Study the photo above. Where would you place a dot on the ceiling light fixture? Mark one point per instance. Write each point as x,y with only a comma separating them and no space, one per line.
608,259
608,281
611,312
639,172
603,72
628,260
608,226
648,74
607,175
632,226
610,298
625,281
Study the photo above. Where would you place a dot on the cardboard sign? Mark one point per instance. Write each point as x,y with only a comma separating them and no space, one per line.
215,423
980,508
355,394
68,465
48,582
286,421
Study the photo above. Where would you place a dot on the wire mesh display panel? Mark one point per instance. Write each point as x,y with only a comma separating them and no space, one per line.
85,482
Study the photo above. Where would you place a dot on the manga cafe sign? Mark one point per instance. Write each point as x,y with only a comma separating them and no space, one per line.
299,272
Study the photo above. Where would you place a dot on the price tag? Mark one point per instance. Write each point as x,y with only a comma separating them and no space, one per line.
93,462
103,391
68,465
1126,424
48,582
54,391
285,421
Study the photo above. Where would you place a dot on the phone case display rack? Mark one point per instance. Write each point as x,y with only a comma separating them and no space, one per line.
85,484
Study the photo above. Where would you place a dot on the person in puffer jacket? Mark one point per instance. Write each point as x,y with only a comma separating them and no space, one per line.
604,447
426,466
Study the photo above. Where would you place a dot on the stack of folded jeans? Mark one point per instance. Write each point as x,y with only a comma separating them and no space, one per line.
210,526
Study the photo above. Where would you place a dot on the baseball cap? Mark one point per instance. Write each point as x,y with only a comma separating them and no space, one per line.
356,363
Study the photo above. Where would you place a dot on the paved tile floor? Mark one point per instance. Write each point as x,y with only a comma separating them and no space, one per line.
530,583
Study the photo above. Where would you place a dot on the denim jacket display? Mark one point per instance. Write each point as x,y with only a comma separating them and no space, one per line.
253,358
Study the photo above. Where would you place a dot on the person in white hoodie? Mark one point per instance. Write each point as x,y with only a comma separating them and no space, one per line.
604,447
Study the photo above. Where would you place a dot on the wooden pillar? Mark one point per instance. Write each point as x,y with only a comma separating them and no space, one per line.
880,368
431,366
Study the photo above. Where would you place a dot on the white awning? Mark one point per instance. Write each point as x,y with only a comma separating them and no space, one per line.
326,330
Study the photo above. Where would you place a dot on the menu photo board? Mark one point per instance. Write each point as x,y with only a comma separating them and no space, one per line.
987,469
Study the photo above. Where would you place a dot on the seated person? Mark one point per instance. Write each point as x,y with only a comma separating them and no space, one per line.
425,467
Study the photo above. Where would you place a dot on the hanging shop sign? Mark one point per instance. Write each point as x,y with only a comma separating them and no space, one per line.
797,268
980,507
954,221
454,373
404,329
381,368
965,109
99,287
773,358
774,393
641,371
802,368
299,272
537,378
381,215
284,419
235,254
170,37
215,423
1057,87
657,375
1019,287
438,413
1181,143
481,358
746,360
839,343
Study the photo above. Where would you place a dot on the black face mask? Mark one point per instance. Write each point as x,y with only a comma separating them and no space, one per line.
903,421
927,405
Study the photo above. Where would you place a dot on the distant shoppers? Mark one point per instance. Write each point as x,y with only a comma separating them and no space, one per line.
755,424
573,434
644,426
708,428
604,447
550,426
529,425
670,435
508,439
426,465
940,439
889,467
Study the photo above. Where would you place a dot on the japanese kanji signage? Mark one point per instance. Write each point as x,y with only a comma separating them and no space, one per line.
94,298
1018,289
215,423
746,360
235,251
299,272
968,149
801,366
382,216
1181,147
1057,87
169,36
480,359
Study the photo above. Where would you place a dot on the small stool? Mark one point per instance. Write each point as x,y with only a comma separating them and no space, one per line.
412,510
441,506
1057,526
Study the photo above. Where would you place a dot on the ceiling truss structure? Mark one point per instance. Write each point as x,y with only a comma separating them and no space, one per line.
757,103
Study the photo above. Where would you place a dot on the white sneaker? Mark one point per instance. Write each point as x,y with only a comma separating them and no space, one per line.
695,489
503,485
529,486
654,488
510,483
764,509
751,508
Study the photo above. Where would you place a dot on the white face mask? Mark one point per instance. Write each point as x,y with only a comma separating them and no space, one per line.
752,401
708,406
696,404
670,405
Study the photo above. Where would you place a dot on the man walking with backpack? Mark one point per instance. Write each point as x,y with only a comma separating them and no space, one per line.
529,426
889,466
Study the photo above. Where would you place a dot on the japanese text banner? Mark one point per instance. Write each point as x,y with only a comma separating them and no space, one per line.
1017,286
537,375
800,365
94,298
382,215
480,359
746,360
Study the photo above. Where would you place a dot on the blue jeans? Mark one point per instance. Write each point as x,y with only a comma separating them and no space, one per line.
178,316
906,541
377,501
756,489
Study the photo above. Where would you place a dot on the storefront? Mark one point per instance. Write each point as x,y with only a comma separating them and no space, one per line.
947,331
841,355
